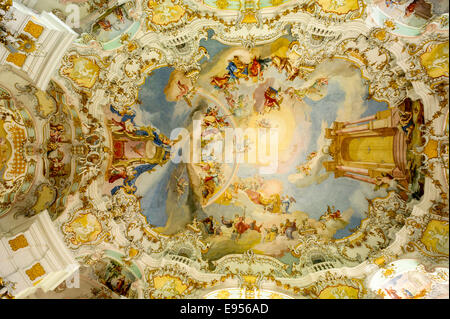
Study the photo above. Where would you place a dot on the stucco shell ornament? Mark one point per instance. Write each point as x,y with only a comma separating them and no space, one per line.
336,174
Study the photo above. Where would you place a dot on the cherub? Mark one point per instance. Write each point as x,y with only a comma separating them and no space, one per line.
237,69
304,168
221,82
264,123
283,64
105,24
56,131
56,167
272,99
184,90
180,187
297,94
257,66
311,156
116,173
406,123
119,14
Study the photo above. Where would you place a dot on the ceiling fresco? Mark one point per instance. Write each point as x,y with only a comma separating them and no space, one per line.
234,149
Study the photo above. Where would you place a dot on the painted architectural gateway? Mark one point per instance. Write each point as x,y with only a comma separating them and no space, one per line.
101,104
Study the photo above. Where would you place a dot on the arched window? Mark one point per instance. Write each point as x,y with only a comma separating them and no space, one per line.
317,259
185,252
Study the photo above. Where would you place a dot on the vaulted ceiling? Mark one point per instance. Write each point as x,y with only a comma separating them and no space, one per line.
224,148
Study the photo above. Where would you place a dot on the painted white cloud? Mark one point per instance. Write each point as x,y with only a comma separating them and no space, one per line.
358,199
353,106
317,174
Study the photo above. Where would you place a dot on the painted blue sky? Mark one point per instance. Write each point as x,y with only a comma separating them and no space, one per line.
342,193
165,116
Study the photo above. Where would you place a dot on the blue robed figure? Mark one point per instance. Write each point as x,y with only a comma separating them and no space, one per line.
236,68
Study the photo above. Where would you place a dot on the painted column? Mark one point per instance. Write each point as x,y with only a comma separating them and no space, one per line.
364,119
362,171
360,178
358,128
